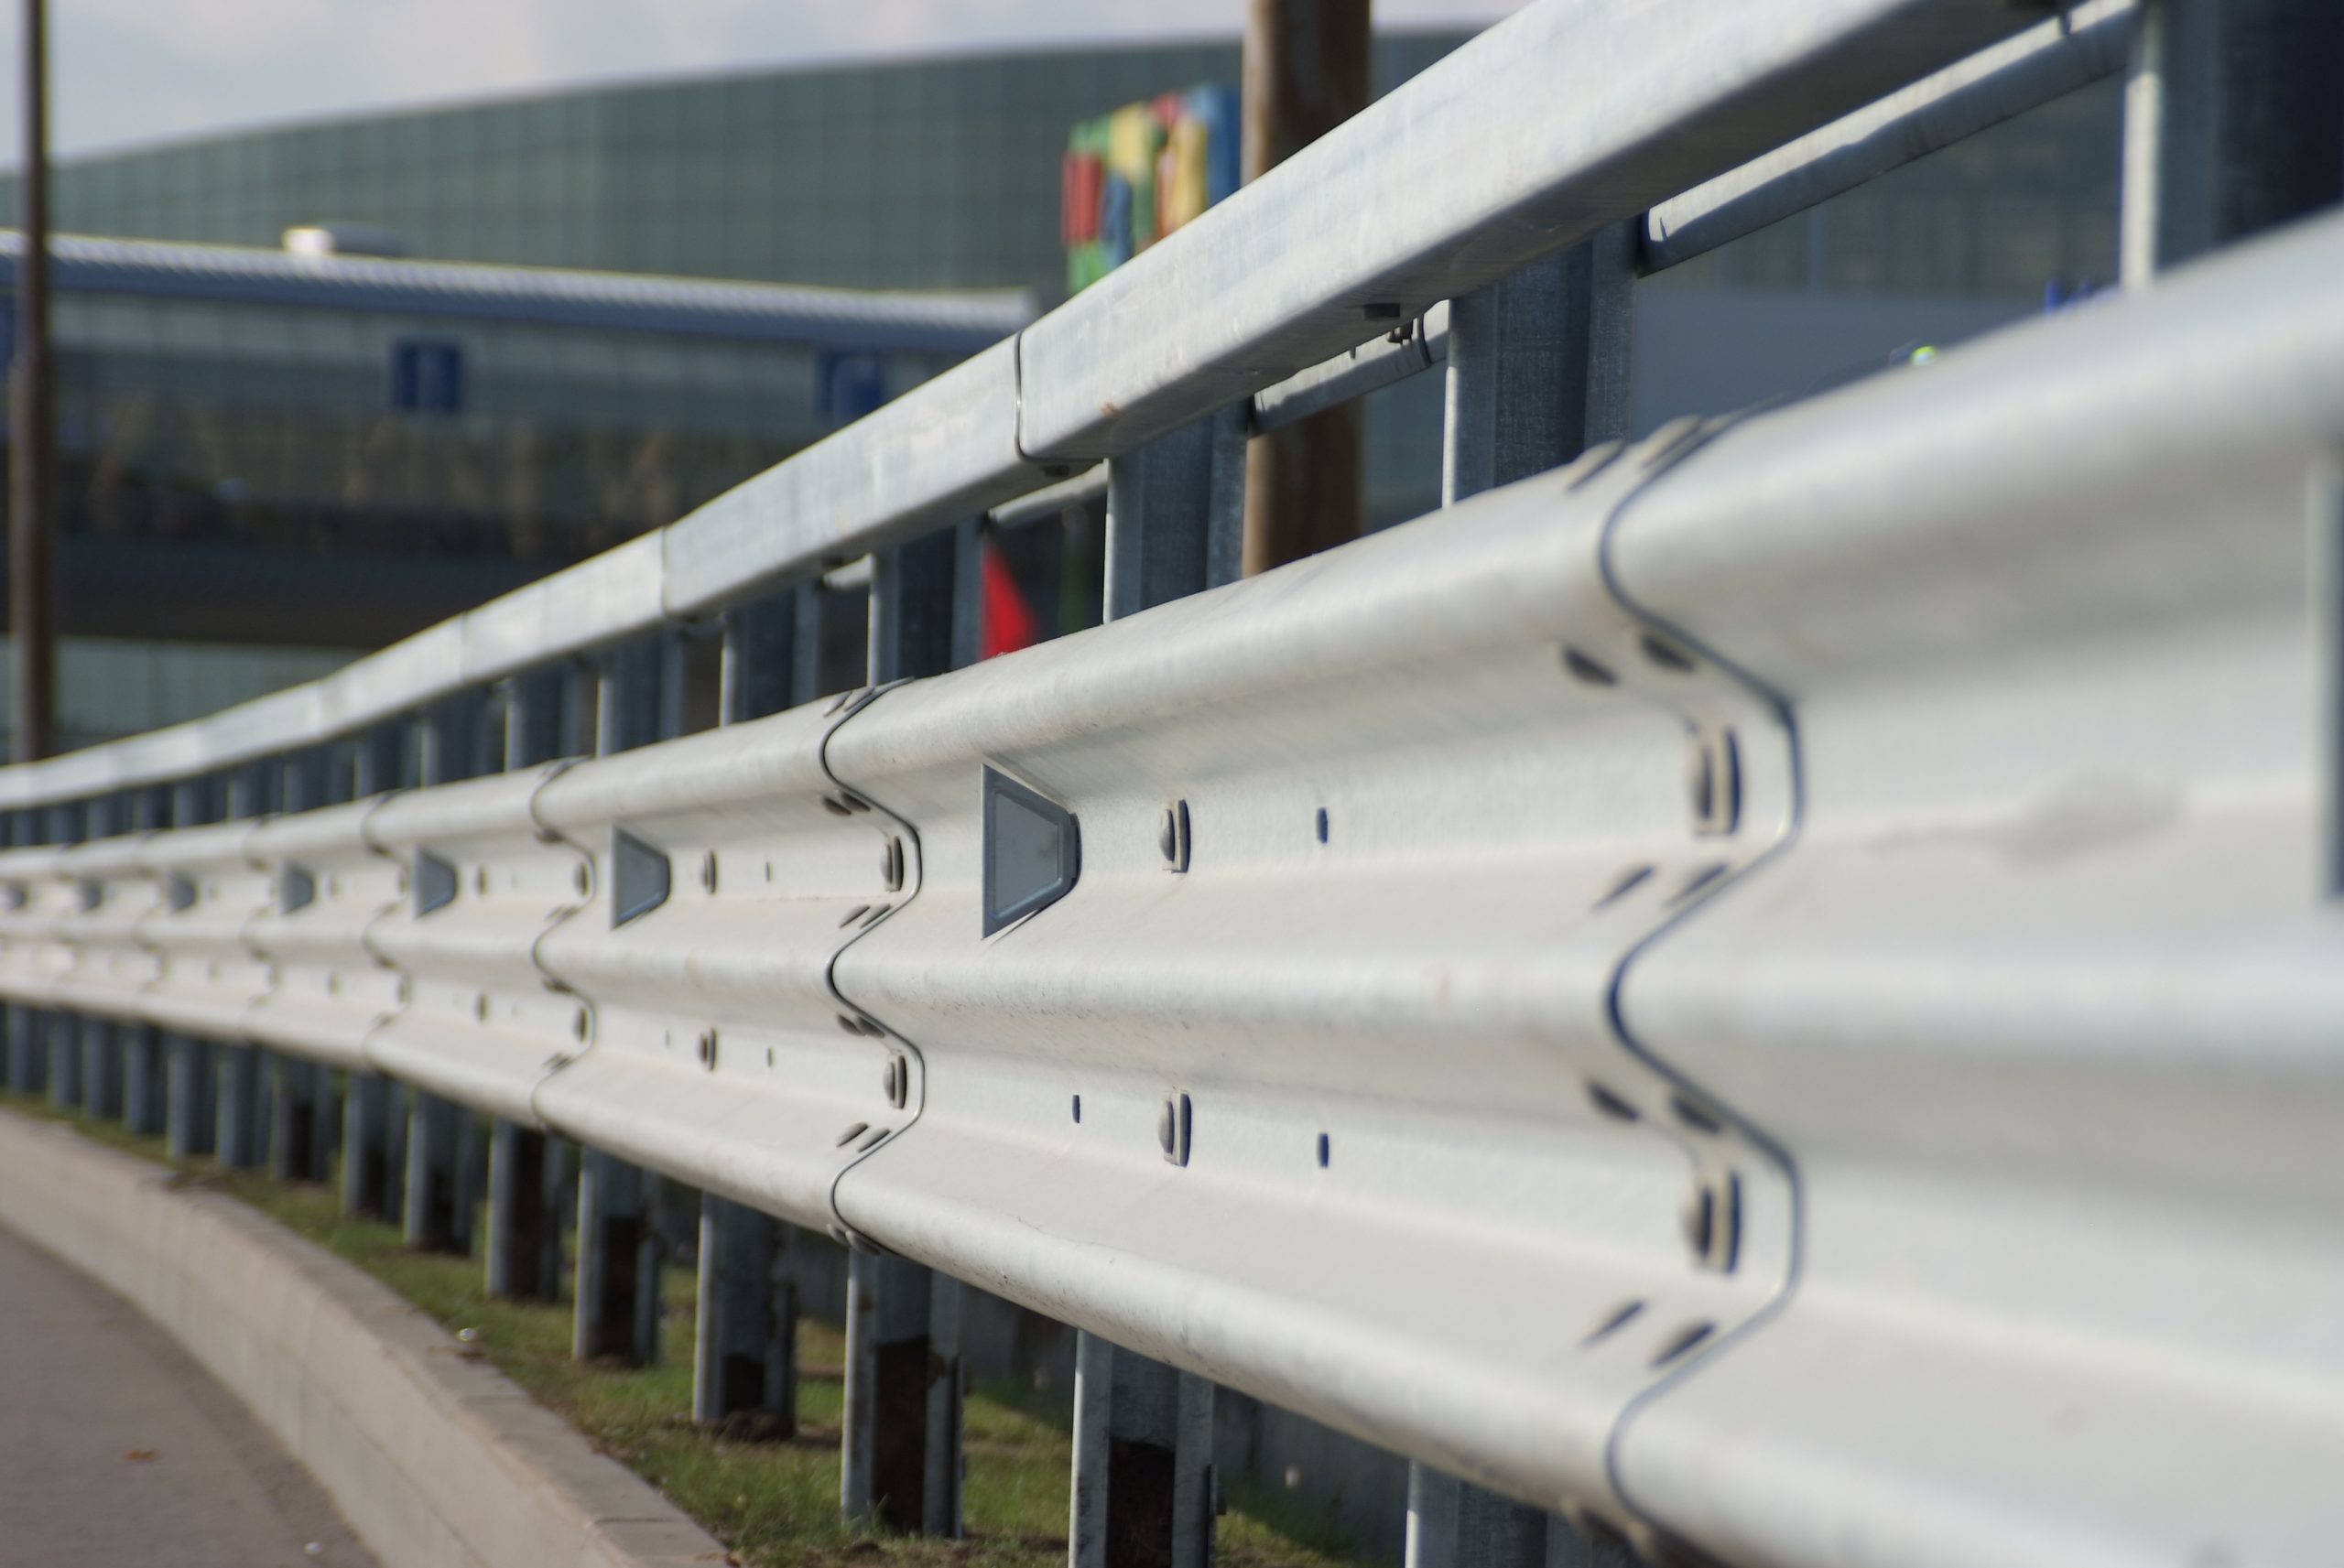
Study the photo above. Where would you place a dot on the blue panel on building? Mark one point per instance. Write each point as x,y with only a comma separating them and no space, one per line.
426,376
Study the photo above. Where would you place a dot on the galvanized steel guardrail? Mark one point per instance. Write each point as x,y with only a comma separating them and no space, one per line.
1773,990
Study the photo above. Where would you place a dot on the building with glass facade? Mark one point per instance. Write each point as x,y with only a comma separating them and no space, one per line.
290,463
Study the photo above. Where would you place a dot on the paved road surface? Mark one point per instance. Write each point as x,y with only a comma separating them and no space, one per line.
115,1448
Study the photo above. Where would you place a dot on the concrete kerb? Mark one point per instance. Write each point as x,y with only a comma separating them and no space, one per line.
434,1457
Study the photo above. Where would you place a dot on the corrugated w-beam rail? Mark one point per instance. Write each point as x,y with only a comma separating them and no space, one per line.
1774,990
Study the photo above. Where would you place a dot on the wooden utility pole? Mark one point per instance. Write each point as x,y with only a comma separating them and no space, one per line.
1307,72
32,451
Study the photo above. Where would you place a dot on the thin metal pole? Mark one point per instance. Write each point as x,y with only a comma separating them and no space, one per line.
32,438
1307,70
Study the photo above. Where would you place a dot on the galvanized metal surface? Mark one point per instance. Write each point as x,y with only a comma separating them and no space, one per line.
2083,44
1233,304
1774,988
1366,229
2011,951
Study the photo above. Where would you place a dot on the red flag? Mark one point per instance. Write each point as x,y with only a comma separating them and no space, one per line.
1009,621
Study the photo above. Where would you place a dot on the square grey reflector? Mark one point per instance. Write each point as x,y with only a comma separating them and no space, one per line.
639,877
1033,851
435,882
296,889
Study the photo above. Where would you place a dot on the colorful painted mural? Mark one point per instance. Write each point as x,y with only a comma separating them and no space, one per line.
1136,174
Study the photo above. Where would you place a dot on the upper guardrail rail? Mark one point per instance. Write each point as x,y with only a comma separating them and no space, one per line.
1449,182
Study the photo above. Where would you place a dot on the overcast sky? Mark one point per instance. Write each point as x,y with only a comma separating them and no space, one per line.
131,71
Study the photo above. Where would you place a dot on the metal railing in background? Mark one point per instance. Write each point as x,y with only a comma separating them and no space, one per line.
1759,994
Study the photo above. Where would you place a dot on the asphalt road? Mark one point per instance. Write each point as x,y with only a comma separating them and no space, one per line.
115,1448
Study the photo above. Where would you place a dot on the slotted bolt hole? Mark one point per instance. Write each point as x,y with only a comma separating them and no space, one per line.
1684,1339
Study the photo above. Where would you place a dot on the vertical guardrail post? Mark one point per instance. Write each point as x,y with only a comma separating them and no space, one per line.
1452,1525
23,1032
100,1037
190,1122
241,1140
2229,125
63,1030
925,602
901,1460
437,1214
1143,1485
1176,514
144,1097
642,701
1540,365
1143,1482
745,1356
300,1146
523,1218
806,643
1539,370
374,1115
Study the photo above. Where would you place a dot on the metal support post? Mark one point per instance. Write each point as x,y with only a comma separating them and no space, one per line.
1540,365
144,1093
15,1059
436,1215
746,1352
747,1306
62,1032
191,1114
366,1144
1144,1484
901,1461
102,1037
924,605
522,1223
102,1068
640,700
901,1435
618,1262
27,1051
374,1123
298,1149
242,1104
761,659
1176,514
524,1238
806,643
1453,1525
241,1140
745,1356
2231,125
300,1121
190,1089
